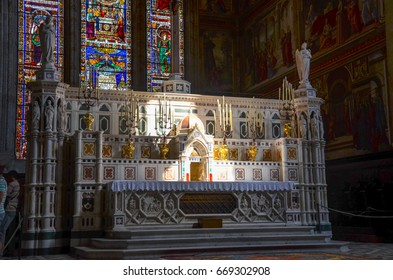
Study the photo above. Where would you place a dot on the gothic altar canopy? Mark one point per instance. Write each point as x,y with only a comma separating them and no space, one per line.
110,159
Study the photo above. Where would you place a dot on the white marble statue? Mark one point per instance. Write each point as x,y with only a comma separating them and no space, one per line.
48,42
303,59
49,114
35,116
320,126
61,117
314,127
303,127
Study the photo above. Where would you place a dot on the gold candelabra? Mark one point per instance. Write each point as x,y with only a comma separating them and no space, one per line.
225,118
287,109
163,123
254,122
130,114
88,94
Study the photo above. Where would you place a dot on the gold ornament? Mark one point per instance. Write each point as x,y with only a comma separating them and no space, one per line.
252,153
88,119
288,130
128,149
164,151
224,152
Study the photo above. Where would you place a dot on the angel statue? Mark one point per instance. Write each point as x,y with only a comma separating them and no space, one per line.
303,58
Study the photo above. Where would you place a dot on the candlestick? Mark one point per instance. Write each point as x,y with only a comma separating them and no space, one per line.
230,115
226,114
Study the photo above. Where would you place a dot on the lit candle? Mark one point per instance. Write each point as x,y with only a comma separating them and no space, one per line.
219,114
171,115
226,114
215,120
137,111
293,94
230,115
155,118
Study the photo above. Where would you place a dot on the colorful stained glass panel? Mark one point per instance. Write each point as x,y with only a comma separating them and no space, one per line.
106,42
159,41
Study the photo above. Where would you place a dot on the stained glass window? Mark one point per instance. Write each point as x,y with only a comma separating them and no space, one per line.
106,42
31,15
159,41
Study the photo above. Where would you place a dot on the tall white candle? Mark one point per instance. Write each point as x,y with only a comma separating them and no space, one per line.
230,115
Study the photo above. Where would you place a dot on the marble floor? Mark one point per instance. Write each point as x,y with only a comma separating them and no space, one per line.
354,251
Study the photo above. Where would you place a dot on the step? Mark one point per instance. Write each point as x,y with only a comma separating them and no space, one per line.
210,240
159,232
158,253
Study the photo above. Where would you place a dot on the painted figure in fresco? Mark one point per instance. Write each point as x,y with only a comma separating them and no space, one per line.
260,59
286,47
217,6
211,68
303,59
378,123
354,16
342,23
369,11
48,42
164,51
326,38
271,58
311,16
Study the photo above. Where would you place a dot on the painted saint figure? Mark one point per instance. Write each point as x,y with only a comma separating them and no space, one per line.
164,51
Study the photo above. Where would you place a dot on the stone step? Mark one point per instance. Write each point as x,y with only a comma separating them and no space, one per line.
211,240
160,253
227,230
141,242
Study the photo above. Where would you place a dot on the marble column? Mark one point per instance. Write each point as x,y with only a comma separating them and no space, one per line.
9,82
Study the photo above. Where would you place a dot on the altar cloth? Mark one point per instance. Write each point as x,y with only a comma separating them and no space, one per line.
119,186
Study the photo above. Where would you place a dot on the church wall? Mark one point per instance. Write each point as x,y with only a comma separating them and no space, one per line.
351,47
217,48
348,43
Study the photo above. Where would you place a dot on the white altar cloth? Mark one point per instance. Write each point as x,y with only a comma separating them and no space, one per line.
119,186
